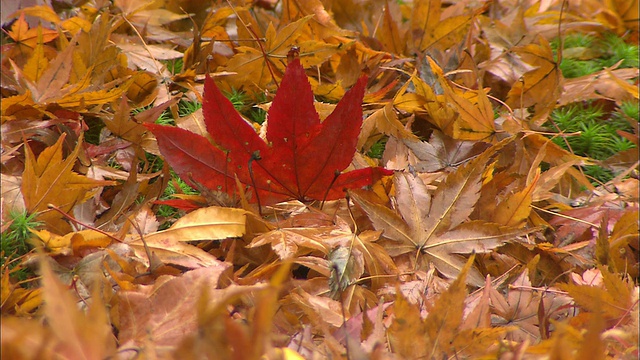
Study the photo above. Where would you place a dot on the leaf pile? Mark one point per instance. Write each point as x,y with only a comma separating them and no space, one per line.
405,196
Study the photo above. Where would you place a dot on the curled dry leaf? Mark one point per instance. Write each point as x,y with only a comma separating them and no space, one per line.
170,247
68,334
165,312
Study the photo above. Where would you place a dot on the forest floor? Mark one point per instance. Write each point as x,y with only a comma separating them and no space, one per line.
320,179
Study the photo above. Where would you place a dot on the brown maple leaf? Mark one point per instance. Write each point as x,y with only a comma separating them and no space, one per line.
436,224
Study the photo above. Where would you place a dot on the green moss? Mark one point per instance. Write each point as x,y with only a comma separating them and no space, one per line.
597,137
586,54
576,40
188,107
377,149
630,108
237,98
185,108
15,241
174,66
165,118
242,103
167,214
257,115
572,68
616,49
597,174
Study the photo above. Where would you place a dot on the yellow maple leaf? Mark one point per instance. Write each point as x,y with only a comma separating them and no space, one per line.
51,180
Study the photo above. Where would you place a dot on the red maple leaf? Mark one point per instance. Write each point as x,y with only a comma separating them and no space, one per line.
302,159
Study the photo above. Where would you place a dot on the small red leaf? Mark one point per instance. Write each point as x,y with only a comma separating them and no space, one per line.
181,204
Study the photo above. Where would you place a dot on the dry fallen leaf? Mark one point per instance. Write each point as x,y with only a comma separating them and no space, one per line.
51,180
454,96
436,225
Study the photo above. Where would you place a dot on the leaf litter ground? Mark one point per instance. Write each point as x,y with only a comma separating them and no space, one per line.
473,234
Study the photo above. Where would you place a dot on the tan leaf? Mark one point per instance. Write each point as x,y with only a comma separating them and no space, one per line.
56,75
479,316
78,334
434,225
520,308
170,251
210,223
603,84
320,309
442,152
287,243
165,312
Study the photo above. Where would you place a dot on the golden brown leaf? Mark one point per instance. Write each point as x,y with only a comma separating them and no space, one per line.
407,330
77,334
614,299
50,180
539,87
255,68
435,334
475,119
210,223
515,209
37,63
16,300
428,29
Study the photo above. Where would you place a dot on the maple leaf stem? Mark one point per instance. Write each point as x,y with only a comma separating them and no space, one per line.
626,313
255,156
564,5
144,44
266,57
565,216
53,207
326,193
